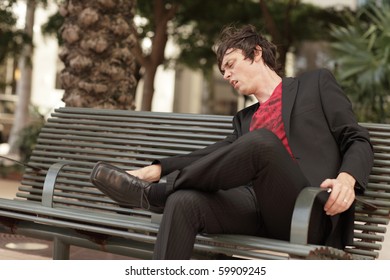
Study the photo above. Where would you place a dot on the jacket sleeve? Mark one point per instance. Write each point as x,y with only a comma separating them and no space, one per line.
353,140
171,164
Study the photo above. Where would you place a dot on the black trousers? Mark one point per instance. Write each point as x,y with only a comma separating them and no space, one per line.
210,196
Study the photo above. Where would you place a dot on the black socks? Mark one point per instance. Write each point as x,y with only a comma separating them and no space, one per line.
157,195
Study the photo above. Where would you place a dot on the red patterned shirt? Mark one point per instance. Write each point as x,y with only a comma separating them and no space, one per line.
269,116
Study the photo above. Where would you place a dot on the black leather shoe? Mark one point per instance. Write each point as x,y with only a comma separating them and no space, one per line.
122,187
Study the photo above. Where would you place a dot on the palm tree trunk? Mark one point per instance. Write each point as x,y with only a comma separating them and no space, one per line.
99,66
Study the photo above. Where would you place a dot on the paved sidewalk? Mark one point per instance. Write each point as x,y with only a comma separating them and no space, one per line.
31,249
22,248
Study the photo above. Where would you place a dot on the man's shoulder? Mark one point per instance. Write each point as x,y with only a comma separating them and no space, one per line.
312,74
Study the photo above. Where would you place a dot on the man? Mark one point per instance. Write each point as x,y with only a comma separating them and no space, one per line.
302,132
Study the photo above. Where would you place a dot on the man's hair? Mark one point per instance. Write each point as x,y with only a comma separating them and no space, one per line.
246,39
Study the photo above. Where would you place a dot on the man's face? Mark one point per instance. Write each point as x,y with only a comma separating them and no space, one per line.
239,71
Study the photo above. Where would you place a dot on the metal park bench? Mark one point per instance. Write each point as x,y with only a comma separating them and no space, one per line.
56,201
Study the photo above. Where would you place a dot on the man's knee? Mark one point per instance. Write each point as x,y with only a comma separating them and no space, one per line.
264,135
184,201
263,140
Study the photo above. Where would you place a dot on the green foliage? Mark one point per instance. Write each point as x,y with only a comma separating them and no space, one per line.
53,26
197,24
6,15
11,39
310,22
6,170
362,52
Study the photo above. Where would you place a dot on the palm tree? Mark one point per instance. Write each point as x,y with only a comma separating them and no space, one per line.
99,66
362,52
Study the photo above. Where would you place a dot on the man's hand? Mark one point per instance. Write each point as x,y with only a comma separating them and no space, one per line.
150,173
342,193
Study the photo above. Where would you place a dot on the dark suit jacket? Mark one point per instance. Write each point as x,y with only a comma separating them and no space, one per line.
323,135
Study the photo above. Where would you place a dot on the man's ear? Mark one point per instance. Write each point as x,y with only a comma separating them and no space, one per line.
258,53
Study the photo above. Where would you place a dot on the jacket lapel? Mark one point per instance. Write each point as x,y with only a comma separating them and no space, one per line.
289,93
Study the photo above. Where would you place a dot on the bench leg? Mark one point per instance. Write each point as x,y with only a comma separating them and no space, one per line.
60,249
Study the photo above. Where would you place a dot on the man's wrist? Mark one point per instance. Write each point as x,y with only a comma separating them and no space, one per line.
347,179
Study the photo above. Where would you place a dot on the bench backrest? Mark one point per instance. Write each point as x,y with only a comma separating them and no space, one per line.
370,225
128,139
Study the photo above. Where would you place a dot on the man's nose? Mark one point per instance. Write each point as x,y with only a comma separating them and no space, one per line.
226,75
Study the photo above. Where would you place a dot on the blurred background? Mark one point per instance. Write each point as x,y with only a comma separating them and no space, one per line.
158,55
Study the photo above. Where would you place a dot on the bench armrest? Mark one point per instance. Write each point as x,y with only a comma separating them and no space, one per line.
49,183
302,212
301,215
